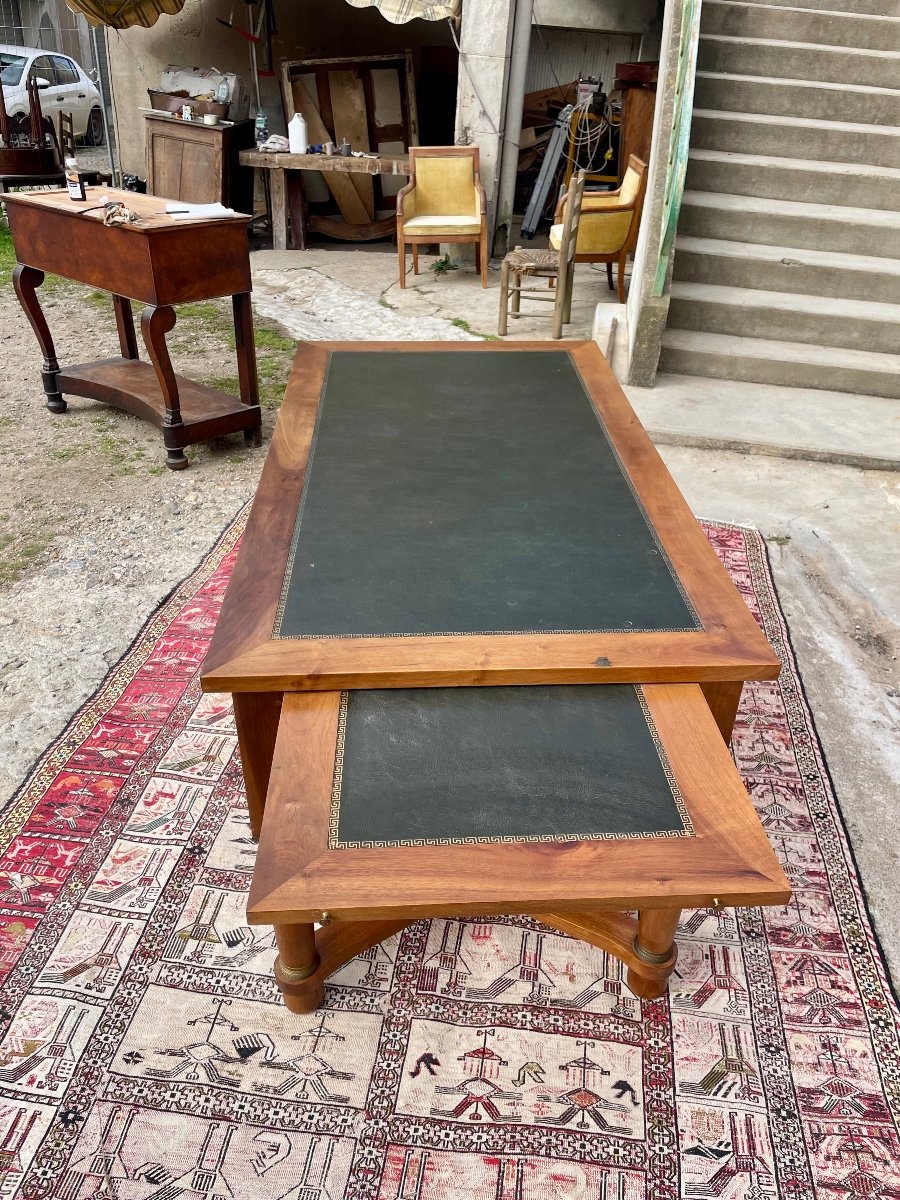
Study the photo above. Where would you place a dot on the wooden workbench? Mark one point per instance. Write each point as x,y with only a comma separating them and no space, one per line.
160,261
286,192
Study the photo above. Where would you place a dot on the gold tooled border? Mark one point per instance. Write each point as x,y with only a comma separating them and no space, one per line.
334,816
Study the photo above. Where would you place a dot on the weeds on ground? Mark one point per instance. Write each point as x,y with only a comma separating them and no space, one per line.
443,266
462,323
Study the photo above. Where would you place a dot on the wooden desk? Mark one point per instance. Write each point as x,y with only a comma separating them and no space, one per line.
286,193
445,514
161,262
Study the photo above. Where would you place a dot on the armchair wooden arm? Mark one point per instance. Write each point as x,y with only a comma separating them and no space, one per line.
406,201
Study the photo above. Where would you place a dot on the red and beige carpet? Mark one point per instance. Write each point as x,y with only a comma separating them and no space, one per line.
146,1054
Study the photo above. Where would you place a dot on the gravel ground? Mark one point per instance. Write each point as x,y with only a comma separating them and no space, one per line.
94,529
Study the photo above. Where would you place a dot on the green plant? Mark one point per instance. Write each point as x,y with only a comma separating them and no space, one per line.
443,265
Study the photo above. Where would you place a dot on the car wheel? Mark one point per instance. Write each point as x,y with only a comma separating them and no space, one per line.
94,133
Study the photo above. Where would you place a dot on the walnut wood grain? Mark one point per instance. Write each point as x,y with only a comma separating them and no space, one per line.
244,657
728,861
583,888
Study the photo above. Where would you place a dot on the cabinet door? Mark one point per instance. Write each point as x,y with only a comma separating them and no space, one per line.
185,168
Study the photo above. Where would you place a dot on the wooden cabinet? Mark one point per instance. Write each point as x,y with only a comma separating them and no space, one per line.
187,160
638,107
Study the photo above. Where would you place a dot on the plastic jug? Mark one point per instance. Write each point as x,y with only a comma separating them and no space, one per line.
297,134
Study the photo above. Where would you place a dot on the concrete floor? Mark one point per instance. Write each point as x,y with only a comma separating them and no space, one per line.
784,460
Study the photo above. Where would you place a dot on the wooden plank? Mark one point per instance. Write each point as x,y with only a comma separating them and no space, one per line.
341,186
388,163
348,103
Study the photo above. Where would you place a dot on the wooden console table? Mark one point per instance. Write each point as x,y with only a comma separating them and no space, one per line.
286,195
161,262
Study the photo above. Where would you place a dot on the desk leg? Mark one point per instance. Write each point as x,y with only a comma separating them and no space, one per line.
246,359
723,700
296,199
654,945
278,194
125,327
26,280
155,324
256,715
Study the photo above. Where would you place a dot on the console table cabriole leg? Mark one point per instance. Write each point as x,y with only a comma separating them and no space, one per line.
297,962
125,327
654,945
26,280
155,324
246,359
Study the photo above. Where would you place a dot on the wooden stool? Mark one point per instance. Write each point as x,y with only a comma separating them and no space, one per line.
571,804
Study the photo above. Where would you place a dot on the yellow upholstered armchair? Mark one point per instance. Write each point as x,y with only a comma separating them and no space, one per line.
443,202
609,224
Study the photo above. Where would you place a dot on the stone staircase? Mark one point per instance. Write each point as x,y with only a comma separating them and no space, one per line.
787,259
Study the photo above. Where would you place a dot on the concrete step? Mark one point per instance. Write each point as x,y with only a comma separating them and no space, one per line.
869,231
786,269
758,133
810,181
797,98
793,364
877,8
800,423
791,24
818,320
797,60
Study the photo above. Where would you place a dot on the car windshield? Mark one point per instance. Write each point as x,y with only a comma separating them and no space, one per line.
11,68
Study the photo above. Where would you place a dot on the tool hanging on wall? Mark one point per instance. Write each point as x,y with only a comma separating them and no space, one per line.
229,24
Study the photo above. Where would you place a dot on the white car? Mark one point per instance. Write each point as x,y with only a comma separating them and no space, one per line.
63,85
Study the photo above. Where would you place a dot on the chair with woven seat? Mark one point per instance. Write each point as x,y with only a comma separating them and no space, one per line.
609,224
443,202
557,265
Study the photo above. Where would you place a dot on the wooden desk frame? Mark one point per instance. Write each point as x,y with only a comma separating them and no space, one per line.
246,660
362,896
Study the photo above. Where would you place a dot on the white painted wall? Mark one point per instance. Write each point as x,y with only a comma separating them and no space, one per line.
601,16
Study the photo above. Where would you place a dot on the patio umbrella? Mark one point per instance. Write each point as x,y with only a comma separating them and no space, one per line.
398,12
122,14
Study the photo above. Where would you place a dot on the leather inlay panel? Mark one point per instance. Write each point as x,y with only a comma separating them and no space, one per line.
419,766
464,494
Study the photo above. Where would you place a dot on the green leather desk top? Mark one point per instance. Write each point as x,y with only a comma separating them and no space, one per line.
450,493
432,766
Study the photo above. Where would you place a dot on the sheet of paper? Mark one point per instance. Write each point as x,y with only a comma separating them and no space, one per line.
182,211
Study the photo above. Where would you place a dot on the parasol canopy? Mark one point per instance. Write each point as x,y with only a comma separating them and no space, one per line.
122,14
398,12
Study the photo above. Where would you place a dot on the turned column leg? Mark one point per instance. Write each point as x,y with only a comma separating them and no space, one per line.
26,281
256,715
246,360
125,327
155,324
654,945
297,961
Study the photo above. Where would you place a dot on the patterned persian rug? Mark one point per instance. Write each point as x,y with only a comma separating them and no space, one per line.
147,1055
